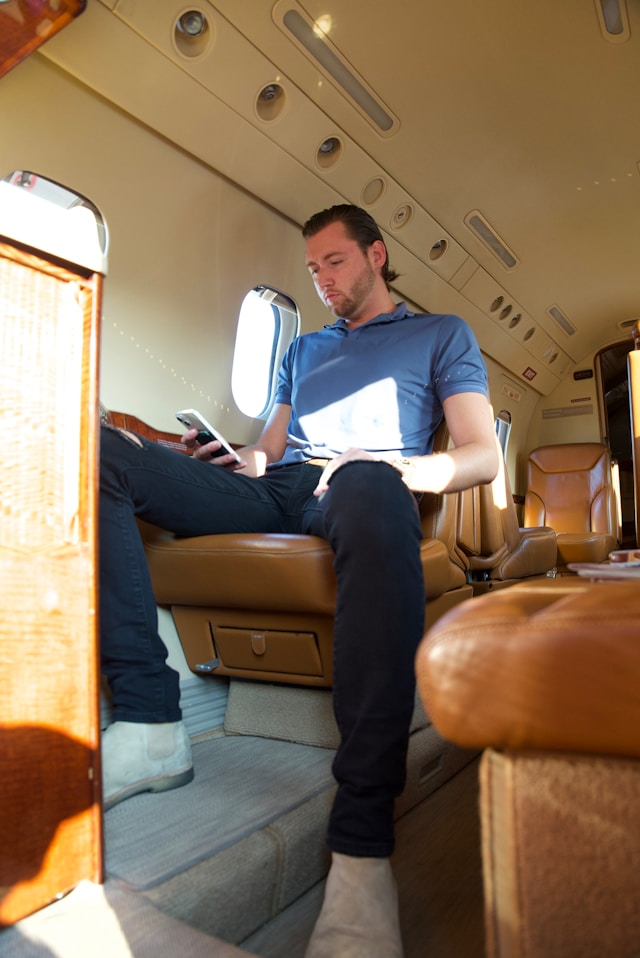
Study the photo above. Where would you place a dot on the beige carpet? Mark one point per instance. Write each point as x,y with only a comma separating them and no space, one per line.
438,867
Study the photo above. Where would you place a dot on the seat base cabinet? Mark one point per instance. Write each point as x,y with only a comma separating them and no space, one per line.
293,648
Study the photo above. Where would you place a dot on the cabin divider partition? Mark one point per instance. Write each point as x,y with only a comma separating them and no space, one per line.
633,365
50,810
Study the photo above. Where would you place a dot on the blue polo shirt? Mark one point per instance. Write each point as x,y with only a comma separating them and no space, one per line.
378,387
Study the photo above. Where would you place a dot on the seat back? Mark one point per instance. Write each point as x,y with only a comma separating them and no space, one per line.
438,511
488,534
570,488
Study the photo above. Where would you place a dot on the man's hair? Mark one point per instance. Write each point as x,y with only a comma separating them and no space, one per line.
360,226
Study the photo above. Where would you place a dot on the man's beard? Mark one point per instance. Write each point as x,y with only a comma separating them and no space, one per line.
350,304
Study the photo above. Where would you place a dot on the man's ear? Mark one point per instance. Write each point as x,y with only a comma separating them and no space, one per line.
378,254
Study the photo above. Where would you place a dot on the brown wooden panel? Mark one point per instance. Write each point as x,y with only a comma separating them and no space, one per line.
25,25
49,718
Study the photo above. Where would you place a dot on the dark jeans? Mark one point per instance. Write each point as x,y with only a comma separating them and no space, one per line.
371,521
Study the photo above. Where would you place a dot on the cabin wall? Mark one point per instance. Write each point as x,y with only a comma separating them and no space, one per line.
186,244
185,247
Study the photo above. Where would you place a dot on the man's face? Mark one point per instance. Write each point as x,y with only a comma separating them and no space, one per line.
343,275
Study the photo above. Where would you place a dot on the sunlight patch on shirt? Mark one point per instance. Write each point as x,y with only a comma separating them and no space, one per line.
368,418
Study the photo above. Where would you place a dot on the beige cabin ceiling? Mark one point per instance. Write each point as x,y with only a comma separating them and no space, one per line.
523,112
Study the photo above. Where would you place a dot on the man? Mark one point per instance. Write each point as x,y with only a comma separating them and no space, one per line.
346,447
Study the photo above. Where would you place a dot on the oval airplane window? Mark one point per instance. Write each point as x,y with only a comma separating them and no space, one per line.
268,322
503,429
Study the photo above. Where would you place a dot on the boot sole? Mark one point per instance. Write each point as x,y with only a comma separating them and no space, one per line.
163,784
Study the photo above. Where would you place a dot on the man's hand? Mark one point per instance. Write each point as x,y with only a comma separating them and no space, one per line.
351,455
206,451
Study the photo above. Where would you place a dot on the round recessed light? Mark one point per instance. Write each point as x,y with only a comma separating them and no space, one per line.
329,152
329,145
193,23
192,33
270,101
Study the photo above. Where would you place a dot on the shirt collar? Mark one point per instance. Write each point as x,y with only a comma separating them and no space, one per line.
400,312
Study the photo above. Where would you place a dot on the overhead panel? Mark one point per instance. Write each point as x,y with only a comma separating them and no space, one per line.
257,127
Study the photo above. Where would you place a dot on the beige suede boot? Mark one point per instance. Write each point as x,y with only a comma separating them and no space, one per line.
359,916
137,757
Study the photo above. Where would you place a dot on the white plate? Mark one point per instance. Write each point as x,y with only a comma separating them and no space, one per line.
606,570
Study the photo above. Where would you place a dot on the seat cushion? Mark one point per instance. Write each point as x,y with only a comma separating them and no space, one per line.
265,571
585,547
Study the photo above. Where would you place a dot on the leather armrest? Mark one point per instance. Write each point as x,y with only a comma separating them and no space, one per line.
535,554
551,666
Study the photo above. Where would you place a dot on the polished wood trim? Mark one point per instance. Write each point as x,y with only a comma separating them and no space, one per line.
24,26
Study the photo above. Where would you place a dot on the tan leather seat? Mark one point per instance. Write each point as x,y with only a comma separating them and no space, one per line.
570,488
544,677
261,606
498,551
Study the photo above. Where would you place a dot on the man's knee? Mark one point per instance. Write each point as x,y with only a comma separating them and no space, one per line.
365,482
361,493
125,433
118,447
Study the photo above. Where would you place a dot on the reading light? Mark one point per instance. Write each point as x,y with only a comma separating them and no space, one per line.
329,145
193,23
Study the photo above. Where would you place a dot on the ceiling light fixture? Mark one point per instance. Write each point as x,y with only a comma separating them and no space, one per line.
559,317
485,232
613,18
310,35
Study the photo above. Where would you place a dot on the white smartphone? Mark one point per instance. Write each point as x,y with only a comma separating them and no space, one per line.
192,419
